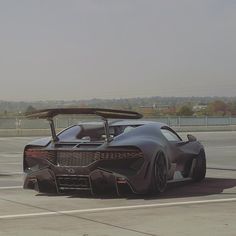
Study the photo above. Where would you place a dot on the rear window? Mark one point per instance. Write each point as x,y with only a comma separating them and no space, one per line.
92,132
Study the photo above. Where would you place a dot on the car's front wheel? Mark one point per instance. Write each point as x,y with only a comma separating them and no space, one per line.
159,176
199,170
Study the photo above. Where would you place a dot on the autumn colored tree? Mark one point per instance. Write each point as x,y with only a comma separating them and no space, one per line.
218,107
232,107
185,110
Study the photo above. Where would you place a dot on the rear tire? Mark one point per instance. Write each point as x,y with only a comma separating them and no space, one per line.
199,171
159,176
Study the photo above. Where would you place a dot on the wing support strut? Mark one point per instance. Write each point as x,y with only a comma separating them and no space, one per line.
106,127
53,130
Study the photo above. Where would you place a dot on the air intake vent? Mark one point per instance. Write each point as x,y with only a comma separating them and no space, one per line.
75,158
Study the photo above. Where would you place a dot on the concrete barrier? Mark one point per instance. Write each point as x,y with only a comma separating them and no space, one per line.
46,132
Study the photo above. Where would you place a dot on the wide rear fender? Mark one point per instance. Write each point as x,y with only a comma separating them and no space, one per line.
147,138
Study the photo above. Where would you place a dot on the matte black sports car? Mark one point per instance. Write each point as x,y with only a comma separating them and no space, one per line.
110,156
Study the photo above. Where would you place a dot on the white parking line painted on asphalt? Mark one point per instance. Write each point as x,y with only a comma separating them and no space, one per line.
12,173
221,147
94,210
11,187
10,163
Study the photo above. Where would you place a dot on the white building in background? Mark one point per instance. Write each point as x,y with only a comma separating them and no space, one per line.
199,107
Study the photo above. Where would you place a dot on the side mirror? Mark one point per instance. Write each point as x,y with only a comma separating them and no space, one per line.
191,138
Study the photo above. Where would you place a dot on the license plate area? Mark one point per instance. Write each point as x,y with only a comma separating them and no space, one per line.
73,182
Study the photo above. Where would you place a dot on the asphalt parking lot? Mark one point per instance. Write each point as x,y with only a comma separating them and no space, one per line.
206,208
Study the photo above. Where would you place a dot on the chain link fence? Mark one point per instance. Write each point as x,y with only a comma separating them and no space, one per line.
63,122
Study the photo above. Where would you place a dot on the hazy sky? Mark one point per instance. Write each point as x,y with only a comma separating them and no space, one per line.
69,49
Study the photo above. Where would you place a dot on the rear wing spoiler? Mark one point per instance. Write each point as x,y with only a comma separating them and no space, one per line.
105,114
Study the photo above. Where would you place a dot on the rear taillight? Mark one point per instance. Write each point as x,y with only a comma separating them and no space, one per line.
39,153
117,155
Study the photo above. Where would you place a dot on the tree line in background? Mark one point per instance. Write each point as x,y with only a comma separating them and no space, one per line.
215,108
152,106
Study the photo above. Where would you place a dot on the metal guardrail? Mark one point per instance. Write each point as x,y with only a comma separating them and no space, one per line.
197,121
63,122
